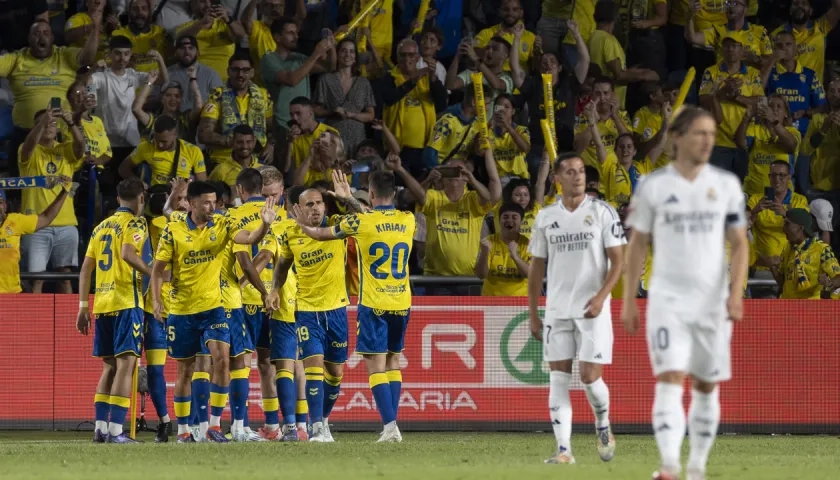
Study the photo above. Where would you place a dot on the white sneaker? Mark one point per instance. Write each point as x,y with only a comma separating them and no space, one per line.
391,434
695,475
197,436
318,434
561,457
328,438
605,443
247,436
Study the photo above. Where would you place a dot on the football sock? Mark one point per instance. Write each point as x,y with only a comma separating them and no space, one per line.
560,408
200,397
332,388
119,409
238,395
102,410
155,360
599,399
395,381
315,392
703,421
302,413
381,389
287,394
669,424
218,401
182,413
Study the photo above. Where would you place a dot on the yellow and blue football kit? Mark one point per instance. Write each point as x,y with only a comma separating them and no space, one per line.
13,227
196,315
504,278
154,332
118,300
713,78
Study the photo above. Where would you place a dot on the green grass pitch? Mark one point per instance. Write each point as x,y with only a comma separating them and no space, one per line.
426,456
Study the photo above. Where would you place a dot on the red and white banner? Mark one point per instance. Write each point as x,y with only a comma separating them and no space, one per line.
466,359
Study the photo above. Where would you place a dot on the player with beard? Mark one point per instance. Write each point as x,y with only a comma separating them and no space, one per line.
145,37
688,212
503,258
581,239
241,156
188,71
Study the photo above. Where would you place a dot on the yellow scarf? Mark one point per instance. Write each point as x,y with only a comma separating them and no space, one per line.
394,115
255,118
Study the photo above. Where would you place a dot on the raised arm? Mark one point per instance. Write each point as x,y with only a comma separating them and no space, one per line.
267,214
46,217
141,115
87,55
482,265
582,66
417,191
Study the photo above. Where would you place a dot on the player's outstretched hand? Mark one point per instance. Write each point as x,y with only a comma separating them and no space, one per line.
272,301
297,212
735,308
341,187
83,321
594,306
267,213
630,316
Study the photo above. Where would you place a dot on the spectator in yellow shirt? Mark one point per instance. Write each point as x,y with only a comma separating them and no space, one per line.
42,154
726,90
216,33
80,27
768,213
145,37
12,227
757,48
511,15
612,122
260,39
242,157
164,156
503,257
810,35
822,144
648,125
806,266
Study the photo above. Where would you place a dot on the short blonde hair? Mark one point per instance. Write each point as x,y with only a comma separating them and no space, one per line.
270,175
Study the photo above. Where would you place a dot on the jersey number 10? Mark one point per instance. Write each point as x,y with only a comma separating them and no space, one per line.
382,252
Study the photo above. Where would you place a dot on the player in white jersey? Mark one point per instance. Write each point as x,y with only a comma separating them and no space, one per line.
582,240
689,210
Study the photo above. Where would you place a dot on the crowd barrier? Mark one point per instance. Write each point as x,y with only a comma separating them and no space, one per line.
469,364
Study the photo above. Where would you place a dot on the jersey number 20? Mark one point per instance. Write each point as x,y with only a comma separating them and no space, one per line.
399,267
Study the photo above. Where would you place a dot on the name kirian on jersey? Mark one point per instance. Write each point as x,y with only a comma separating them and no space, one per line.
693,222
571,242
199,256
307,259
390,227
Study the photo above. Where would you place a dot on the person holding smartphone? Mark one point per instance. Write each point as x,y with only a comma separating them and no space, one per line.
216,32
510,141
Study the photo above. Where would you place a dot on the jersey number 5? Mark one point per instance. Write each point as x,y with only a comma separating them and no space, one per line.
383,253
105,264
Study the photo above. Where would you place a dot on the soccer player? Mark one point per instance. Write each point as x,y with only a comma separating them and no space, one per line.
581,239
689,210
114,251
193,248
321,316
384,238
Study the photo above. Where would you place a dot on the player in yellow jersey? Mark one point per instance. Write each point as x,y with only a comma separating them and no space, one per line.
114,252
193,248
321,315
383,237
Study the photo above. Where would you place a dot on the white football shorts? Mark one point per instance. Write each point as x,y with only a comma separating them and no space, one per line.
695,343
590,339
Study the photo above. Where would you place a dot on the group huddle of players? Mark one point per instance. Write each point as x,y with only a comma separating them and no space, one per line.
267,276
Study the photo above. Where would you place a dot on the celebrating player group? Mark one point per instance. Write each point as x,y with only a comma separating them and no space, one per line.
293,262
228,283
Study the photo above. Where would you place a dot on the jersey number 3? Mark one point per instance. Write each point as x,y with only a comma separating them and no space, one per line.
107,253
383,253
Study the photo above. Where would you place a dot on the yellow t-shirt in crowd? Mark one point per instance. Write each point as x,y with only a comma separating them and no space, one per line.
80,20
213,110
503,277
618,183
584,15
646,124
764,151
767,228
754,38
509,159
143,43
319,267
117,285
825,170
302,144
13,227
712,12
801,279
449,133
228,170
603,49
260,42
34,82
526,43
714,78
56,160
453,233
215,45
527,221
609,135
381,26
190,161
414,120
810,44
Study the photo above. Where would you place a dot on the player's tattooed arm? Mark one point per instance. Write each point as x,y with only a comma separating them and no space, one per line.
341,191
177,189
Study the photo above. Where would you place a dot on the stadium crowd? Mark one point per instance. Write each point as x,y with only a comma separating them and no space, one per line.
203,89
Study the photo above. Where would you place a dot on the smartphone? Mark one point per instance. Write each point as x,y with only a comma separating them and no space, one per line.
498,108
325,33
770,194
762,102
55,103
216,3
450,172
325,137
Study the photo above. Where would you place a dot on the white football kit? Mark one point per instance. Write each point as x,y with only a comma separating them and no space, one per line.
688,329
574,244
